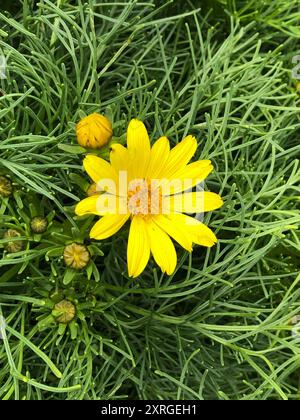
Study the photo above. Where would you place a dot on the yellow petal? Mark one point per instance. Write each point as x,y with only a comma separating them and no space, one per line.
87,206
170,224
137,136
102,173
158,157
108,225
180,155
121,161
202,235
138,249
192,202
198,233
119,157
102,204
138,144
162,248
92,141
187,177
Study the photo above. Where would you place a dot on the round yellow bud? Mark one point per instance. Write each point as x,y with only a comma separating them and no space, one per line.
94,131
14,245
38,224
65,311
76,256
92,190
5,187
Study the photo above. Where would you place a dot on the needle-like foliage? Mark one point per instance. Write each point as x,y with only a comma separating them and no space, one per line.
224,325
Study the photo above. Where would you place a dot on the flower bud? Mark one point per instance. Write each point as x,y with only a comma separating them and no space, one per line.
13,246
76,256
94,131
5,187
64,311
39,224
92,190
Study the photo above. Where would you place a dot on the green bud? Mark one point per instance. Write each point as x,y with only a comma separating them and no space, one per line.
13,246
64,311
39,224
6,188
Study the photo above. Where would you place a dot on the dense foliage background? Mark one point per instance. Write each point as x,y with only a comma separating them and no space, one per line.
224,326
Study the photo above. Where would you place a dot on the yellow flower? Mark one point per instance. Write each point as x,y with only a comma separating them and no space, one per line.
94,131
148,186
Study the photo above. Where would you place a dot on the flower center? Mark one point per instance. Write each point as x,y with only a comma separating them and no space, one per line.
143,198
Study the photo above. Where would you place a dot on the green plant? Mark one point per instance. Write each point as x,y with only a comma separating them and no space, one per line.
221,326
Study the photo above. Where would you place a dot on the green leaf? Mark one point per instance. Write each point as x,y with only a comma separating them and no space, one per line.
95,272
73,326
95,250
69,276
69,148
79,180
89,270
9,274
55,252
